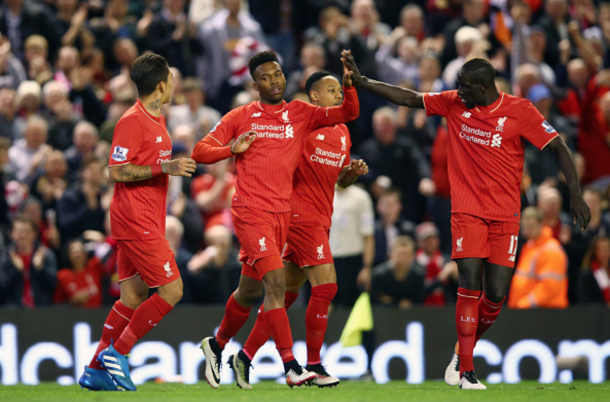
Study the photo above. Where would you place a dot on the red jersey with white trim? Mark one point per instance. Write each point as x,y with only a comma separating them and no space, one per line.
265,171
138,208
486,147
327,152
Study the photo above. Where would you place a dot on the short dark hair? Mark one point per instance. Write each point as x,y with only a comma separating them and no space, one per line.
190,84
148,71
480,70
392,191
314,78
21,218
261,58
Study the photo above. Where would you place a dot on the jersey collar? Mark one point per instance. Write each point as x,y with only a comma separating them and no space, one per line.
272,108
147,113
493,107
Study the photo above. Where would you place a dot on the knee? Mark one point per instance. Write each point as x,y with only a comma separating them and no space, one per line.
324,292
275,283
248,294
134,299
496,294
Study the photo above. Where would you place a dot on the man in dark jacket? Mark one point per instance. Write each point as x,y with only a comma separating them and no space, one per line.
28,271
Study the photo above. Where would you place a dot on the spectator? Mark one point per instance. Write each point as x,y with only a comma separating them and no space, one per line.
365,21
84,139
120,104
441,272
18,21
174,232
194,112
473,14
27,270
50,186
81,283
174,37
219,36
554,23
594,280
80,208
212,193
8,109
405,67
593,138
549,202
28,104
214,272
29,153
48,234
466,40
184,135
390,224
11,70
36,59
84,98
313,58
352,243
71,19
61,116
540,279
412,20
398,158
185,209
5,177
401,280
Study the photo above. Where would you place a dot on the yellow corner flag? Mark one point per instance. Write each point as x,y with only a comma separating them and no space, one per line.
360,319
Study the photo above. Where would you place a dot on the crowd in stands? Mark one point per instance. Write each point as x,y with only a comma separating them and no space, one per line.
64,83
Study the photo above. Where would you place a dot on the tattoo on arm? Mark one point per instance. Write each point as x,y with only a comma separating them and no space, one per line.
154,105
171,168
128,173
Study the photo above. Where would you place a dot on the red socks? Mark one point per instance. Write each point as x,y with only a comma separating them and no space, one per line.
466,319
279,326
235,317
316,319
146,317
117,320
488,312
261,332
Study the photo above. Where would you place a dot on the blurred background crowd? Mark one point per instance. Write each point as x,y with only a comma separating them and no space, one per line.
64,83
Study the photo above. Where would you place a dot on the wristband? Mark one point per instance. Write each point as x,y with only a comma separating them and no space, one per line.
156,170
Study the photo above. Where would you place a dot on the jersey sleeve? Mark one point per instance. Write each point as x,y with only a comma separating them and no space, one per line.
535,128
438,103
226,129
126,141
329,116
348,156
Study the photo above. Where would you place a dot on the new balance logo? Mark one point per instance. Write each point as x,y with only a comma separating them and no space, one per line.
321,252
108,326
256,115
511,258
168,269
496,141
343,143
466,115
289,131
159,139
458,244
152,324
501,122
261,243
320,137
285,116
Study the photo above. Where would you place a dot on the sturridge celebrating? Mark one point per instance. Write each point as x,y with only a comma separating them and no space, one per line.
325,161
269,135
139,164
485,163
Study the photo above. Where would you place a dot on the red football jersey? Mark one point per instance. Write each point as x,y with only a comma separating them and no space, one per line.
138,208
327,152
485,158
265,171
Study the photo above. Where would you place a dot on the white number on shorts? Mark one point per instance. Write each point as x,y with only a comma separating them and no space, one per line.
513,245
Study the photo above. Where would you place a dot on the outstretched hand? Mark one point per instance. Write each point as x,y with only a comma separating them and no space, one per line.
180,167
359,167
243,142
349,67
580,211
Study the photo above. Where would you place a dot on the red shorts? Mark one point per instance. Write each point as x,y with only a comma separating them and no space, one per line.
261,234
475,237
153,260
308,245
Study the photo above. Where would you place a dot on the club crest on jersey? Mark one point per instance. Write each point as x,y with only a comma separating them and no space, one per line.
320,251
285,117
501,122
343,143
547,127
261,242
168,269
458,244
119,153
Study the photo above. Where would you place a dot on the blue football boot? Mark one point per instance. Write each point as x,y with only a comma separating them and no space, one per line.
117,366
97,380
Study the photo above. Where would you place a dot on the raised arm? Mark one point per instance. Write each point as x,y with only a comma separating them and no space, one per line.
210,150
130,173
397,95
578,206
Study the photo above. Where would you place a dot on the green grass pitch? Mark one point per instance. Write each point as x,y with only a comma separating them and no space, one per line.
347,391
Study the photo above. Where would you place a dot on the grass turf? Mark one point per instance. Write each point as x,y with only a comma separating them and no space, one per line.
347,391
